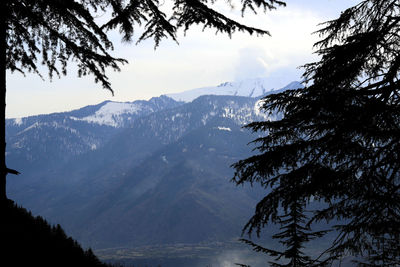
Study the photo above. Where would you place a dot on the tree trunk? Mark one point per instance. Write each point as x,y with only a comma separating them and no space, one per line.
3,195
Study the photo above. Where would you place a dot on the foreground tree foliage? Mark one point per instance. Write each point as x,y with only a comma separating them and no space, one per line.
54,33
338,140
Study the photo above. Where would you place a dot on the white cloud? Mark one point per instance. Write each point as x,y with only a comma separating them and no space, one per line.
251,63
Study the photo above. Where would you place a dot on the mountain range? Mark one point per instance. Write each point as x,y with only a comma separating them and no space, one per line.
141,173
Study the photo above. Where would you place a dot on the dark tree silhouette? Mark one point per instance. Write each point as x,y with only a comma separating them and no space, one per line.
56,32
295,232
339,138
31,241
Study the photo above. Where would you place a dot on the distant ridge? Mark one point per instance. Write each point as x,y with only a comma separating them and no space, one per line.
250,88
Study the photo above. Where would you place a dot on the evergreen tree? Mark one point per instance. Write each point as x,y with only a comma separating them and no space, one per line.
55,32
339,138
295,232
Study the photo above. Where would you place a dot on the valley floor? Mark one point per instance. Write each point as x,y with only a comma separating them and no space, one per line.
183,255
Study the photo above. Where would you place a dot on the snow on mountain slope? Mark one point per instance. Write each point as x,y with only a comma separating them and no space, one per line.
110,113
118,114
250,87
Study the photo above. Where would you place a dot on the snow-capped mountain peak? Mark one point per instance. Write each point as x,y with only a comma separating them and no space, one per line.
249,87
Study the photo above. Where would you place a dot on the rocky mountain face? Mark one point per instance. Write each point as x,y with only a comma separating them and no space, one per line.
138,173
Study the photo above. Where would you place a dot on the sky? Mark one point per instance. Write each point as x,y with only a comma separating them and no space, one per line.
202,58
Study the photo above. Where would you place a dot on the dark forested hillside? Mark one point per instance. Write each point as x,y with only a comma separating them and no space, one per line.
31,241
